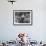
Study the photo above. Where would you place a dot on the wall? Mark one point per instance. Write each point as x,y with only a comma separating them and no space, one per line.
38,30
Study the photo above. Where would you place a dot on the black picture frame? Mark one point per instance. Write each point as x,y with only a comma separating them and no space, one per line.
18,13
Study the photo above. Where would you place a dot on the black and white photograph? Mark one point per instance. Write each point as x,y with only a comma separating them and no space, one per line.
22,17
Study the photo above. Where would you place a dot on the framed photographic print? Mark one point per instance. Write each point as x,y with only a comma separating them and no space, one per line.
22,17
